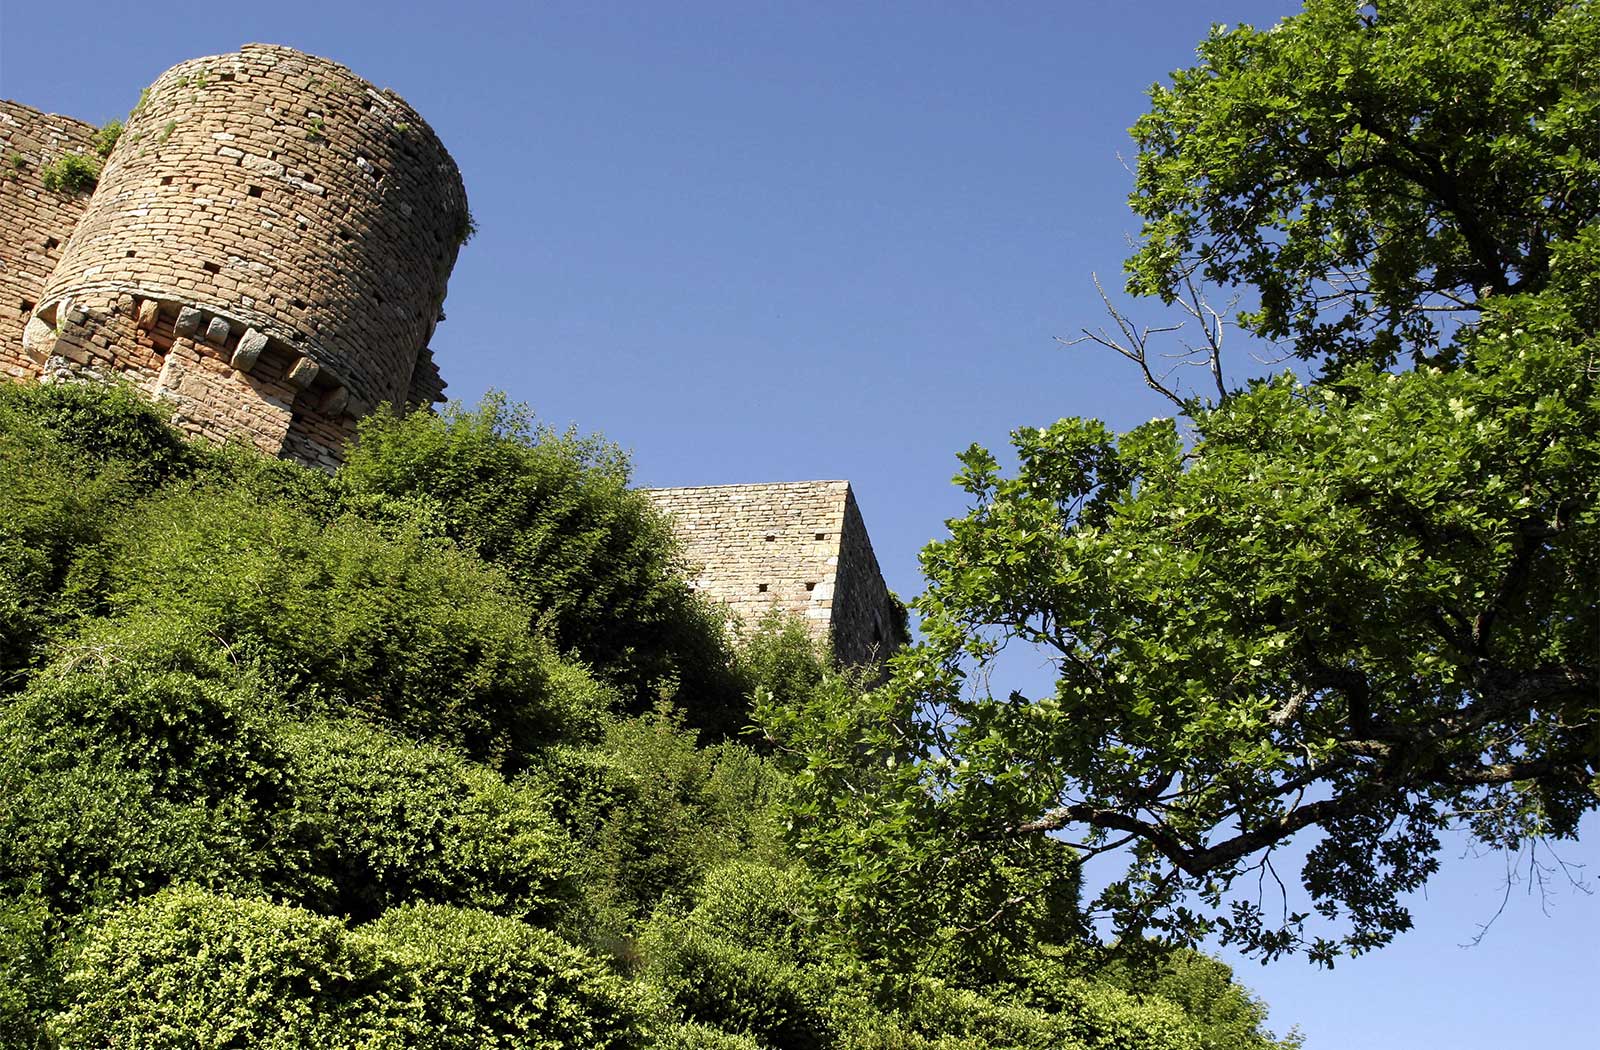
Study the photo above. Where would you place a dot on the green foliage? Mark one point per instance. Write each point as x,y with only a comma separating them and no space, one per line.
252,708
400,627
104,140
915,878
779,661
484,981
1372,172
52,505
28,978
1305,597
105,426
694,1036
655,813
383,822
1363,608
117,778
719,984
1224,1013
226,971
70,173
593,560
758,905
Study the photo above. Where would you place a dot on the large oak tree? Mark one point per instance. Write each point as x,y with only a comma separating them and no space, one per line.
1310,625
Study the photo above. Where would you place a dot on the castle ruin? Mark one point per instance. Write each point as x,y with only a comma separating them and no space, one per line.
267,249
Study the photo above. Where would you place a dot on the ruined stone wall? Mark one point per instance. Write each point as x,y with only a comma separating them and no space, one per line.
268,248
34,222
793,547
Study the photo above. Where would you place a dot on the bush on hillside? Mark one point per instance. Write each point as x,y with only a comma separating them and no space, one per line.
478,980
57,499
778,660
382,821
716,983
654,812
117,778
758,905
594,561
216,970
104,425
396,627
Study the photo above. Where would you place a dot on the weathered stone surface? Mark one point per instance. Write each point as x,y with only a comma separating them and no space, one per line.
34,223
188,322
793,547
336,402
217,331
149,313
251,344
37,339
304,372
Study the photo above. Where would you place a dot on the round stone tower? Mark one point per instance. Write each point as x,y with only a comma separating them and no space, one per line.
268,247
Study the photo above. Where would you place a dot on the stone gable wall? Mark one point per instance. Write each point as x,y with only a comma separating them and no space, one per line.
793,547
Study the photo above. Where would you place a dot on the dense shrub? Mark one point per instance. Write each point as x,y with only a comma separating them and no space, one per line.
193,968
1224,1013
104,425
758,905
694,1036
592,558
29,983
719,984
397,626
654,812
778,660
118,777
56,500
382,821
480,981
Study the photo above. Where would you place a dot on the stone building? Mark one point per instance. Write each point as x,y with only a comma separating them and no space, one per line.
267,249
791,547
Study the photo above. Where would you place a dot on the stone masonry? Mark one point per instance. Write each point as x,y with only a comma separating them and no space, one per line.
34,223
267,248
793,547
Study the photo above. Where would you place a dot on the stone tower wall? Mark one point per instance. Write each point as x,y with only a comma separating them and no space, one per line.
34,222
791,547
268,248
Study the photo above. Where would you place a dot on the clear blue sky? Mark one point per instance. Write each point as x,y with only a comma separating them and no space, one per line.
755,242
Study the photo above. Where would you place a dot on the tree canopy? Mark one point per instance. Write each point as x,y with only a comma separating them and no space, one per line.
1339,615
1372,173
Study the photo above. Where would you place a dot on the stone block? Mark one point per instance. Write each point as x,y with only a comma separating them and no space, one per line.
217,331
249,350
304,372
37,339
188,322
149,314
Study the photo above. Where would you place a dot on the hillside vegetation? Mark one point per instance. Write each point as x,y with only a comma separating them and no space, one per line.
439,751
